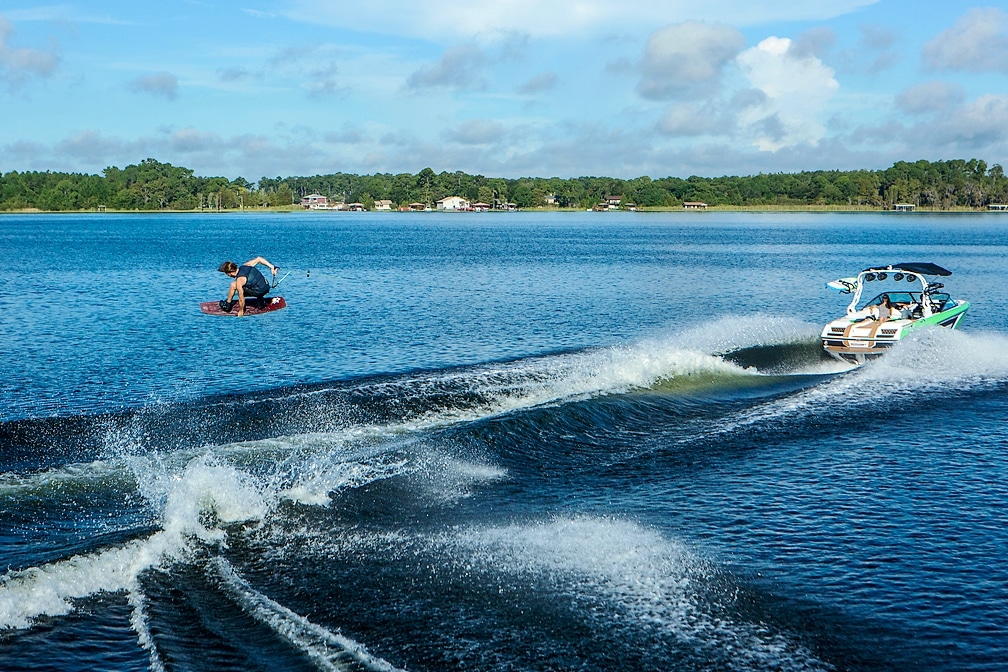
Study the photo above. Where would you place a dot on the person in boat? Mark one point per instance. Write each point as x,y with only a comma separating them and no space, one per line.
885,310
247,281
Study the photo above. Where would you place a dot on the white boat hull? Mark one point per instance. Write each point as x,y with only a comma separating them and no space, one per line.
855,339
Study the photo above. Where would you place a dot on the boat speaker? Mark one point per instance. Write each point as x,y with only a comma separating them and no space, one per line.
897,276
869,277
883,276
911,278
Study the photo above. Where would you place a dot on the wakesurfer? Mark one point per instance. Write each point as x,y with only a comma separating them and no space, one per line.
248,281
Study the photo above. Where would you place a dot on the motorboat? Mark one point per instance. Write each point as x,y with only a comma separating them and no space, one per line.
871,327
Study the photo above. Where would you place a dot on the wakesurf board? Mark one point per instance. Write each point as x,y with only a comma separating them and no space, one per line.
843,285
266,304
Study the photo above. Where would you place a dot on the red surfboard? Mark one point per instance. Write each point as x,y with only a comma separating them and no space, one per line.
252,306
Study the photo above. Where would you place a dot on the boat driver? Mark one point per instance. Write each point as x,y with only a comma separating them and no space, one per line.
248,281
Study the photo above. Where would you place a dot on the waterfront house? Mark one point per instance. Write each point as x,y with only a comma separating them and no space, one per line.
314,202
453,203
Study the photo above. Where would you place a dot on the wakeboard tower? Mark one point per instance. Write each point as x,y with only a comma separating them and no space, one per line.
861,335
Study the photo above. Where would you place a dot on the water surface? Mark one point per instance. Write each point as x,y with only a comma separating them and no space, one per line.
497,441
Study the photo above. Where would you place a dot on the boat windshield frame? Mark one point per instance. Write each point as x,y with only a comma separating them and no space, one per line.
888,270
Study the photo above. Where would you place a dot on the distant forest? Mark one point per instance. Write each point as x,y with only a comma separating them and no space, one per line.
152,185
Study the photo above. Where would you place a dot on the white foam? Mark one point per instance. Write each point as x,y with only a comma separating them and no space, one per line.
196,493
330,650
319,463
570,377
945,355
515,386
927,362
202,488
69,477
320,481
648,580
725,334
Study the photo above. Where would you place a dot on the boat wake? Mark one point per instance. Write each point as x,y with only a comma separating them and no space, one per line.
202,496
929,364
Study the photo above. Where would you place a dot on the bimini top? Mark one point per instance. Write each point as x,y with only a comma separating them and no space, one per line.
919,267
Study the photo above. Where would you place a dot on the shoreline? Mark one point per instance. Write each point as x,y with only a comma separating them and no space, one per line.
718,208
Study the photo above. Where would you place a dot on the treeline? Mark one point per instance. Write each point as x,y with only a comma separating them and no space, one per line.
153,185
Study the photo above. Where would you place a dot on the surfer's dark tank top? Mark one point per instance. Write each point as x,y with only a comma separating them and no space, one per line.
255,283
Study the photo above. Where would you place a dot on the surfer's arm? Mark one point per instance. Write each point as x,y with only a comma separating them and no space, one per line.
261,260
240,287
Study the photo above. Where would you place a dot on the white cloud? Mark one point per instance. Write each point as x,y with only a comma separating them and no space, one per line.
877,37
475,132
90,147
685,60
460,67
813,42
157,84
930,97
873,53
19,64
687,120
454,20
539,83
977,42
976,126
187,140
796,90
348,136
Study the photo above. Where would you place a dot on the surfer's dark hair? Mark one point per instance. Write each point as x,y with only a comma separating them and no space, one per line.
228,267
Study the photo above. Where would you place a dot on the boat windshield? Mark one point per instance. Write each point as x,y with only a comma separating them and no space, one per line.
898,299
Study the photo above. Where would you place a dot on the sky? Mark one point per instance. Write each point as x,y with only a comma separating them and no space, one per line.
511,88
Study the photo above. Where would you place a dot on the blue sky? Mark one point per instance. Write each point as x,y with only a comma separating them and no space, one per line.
507,89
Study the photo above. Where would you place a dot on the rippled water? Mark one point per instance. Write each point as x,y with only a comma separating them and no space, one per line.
536,442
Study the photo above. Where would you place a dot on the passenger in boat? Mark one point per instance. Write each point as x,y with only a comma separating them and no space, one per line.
883,311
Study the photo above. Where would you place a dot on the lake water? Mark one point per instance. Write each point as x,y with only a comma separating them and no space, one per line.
523,441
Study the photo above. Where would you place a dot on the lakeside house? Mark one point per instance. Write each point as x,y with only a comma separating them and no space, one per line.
314,202
453,203
694,205
904,207
998,207
613,202
481,207
383,204
356,207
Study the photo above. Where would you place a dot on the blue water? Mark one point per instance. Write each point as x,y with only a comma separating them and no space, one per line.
588,441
